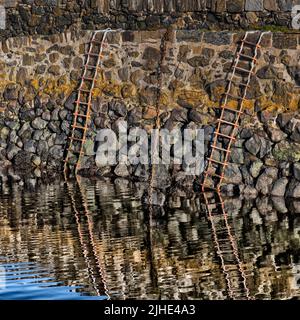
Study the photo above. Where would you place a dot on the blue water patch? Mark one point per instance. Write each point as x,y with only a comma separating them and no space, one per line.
28,281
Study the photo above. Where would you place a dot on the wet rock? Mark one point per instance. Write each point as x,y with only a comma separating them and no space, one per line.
237,155
253,144
26,115
4,132
141,172
70,102
39,123
264,182
121,170
89,147
118,107
279,204
134,116
42,147
61,139
12,150
250,191
283,119
30,146
295,136
296,170
265,147
263,205
63,114
46,116
245,133
279,187
286,151
194,116
161,177
157,198
233,174
247,178
275,134
36,160
55,115
22,161
56,152
229,189
54,126
284,169
293,189
179,115
267,72
13,125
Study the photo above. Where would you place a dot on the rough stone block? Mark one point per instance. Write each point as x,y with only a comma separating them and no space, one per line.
218,6
189,35
235,6
286,5
254,5
285,41
270,5
217,38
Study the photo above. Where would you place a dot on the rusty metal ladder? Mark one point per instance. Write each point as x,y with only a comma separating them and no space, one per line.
85,229
82,113
226,247
239,80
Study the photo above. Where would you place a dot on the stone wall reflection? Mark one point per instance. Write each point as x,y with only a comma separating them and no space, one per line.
173,258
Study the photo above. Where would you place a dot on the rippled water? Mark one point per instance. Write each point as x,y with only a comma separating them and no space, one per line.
95,240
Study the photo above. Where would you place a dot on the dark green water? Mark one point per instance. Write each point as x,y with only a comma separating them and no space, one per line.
58,241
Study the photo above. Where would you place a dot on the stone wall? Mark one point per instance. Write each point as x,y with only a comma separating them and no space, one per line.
39,76
55,16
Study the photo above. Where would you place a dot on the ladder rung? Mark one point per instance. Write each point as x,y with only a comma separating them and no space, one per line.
209,187
74,151
251,43
91,67
234,97
81,115
92,54
243,70
104,44
246,56
227,122
224,135
77,139
216,161
216,204
81,102
214,175
87,78
239,83
78,127
233,110
221,149
84,90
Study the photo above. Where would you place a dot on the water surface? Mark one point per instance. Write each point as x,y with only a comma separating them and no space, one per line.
96,240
